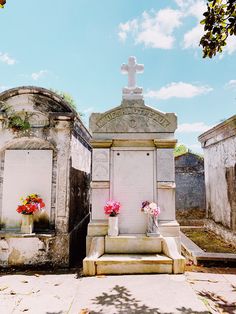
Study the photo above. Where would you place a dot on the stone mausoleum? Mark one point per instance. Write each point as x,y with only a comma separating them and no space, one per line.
133,161
219,146
51,158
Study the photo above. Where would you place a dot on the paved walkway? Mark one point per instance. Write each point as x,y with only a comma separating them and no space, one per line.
194,292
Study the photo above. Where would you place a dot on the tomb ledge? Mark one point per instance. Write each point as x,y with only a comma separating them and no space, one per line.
15,234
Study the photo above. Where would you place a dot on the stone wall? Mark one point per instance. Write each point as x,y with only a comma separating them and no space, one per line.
219,144
190,184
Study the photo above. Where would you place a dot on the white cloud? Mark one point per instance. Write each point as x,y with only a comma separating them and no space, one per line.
231,84
128,27
192,37
5,58
196,9
182,3
178,90
231,45
38,75
154,29
193,127
122,36
192,7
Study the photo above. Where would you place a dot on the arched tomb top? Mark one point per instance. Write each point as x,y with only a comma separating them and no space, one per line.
42,99
28,143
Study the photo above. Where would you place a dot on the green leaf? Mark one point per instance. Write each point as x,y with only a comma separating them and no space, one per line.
223,36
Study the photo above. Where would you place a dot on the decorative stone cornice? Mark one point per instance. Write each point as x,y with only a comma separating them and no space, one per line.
132,143
101,143
219,132
100,184
166,185
165,143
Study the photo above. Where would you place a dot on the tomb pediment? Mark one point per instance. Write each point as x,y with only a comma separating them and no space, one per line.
133,116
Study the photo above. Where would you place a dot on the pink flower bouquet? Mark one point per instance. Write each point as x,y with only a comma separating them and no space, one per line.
112,208
150,208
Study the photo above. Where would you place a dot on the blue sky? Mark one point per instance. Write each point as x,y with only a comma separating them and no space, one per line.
78,46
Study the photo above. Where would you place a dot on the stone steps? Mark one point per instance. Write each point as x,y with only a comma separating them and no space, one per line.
133,243
133,264
133,254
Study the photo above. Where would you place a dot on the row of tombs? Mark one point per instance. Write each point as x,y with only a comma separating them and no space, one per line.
50,155
132,148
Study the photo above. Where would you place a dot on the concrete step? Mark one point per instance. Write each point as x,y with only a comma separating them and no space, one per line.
133,243
134,264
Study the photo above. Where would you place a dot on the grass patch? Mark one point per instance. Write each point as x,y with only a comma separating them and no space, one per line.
209,241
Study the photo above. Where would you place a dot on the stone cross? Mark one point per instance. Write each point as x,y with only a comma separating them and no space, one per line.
132,68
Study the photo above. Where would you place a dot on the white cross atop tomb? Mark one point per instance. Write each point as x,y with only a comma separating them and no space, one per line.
132,68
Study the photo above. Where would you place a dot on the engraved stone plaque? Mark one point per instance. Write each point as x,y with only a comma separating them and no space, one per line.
101,161
165,165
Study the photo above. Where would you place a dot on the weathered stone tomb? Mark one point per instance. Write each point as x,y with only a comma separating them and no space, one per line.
132,162
50,158
219,146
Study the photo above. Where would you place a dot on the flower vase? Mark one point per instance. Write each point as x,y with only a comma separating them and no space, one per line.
113,229
27,223
152,226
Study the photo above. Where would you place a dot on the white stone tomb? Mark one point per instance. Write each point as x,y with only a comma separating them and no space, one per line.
132,162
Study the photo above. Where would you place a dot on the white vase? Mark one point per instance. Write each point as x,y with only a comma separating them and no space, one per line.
152,226
27,223
113,229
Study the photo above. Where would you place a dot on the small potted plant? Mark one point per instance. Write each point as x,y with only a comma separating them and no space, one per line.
112,209
30,205
152,210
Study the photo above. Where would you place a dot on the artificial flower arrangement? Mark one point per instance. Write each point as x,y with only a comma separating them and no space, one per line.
150,208
30,205
112,208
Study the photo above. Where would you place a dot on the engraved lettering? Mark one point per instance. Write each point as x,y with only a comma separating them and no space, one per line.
158,118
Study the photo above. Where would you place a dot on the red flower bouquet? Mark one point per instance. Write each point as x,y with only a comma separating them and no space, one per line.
30,205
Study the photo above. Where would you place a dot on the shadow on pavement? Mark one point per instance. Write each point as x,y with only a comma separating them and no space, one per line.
122,301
